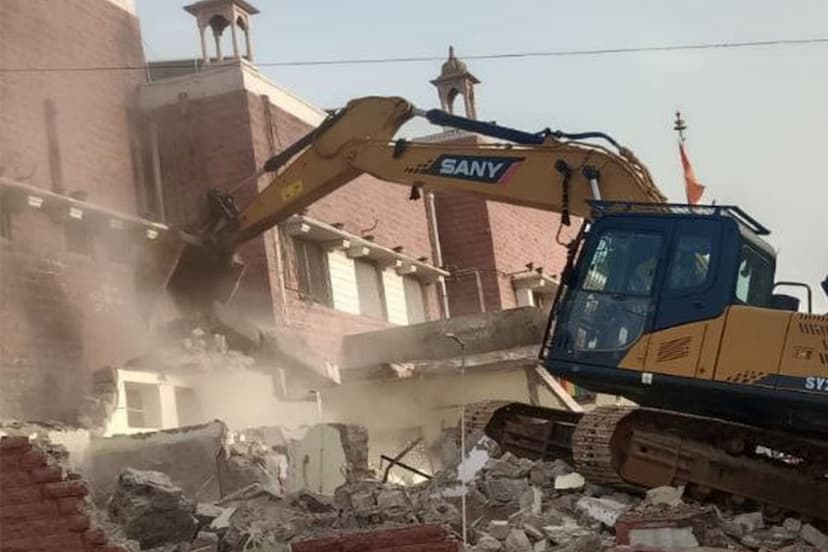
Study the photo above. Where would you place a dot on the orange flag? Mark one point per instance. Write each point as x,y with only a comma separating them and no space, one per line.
694,189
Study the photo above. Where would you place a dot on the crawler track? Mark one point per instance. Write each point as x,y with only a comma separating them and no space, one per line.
645,447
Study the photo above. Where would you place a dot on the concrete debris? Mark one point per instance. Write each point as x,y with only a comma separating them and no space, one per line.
221,523
196,353
243,463
207,513
499,529
152,510
517,541
664,537
556,468
750,522
531,500
814,536
605,510
487,543
512,505
670,496
205,542
584,543
772,538
792,525
508,466
570,482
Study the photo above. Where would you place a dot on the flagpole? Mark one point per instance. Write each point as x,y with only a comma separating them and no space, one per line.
693,188
680,126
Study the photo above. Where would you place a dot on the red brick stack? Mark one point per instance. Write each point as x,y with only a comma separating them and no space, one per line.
42,509
422,538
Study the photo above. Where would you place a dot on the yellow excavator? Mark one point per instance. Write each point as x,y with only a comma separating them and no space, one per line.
671,306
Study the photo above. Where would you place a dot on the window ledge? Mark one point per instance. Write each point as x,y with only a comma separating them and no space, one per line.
359,248
17,196
542,283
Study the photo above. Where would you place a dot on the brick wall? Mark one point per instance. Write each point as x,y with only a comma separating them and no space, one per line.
467,244
69,129
497,240
218,141
422,538
521,235
365,205
42,508
63,313
205,144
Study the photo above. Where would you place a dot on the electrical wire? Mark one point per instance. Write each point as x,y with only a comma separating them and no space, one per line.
418,59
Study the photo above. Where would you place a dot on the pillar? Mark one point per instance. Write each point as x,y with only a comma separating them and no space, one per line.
248,43
217,38
233,25
204,55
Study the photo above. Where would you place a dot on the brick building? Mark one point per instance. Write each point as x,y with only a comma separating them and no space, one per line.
138,148
66,303
500,256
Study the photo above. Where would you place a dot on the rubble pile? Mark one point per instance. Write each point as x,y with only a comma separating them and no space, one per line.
512,505
196,353
243,463
151,509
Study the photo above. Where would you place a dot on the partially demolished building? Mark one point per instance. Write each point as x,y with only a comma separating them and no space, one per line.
98,164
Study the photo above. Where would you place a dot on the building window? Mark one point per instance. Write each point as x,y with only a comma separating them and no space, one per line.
312,272
414,300
143,404
370,289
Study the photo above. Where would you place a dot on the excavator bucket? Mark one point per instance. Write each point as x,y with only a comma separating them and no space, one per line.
204,275
192,274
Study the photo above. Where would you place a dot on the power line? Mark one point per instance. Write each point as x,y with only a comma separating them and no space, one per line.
419,59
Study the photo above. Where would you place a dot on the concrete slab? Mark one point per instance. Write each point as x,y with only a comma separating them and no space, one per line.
187,455
481,333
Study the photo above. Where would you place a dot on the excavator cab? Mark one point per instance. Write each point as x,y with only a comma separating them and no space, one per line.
645,268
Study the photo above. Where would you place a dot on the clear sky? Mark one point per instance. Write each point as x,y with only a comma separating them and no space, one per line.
757,117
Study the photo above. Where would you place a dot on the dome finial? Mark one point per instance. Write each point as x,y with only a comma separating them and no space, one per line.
451,52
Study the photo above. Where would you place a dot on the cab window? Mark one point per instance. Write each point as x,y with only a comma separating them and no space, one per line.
754,280
690,265
624,263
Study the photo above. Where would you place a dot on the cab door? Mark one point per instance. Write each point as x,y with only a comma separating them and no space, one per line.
613,302
690,315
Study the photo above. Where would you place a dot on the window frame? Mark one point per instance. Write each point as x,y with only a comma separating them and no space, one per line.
694,228
423,300
305,283
380,286
654,283
770,266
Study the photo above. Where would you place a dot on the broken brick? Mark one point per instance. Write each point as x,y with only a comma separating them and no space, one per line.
65,489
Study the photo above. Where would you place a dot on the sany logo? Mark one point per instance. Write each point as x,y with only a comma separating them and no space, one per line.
816,384
479,169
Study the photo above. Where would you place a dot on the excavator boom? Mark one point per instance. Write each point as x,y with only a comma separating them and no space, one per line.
542,170
548,173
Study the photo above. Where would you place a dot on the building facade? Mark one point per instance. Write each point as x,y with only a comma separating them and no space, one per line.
116,157
66,294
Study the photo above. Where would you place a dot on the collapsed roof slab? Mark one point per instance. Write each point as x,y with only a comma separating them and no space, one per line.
498,341
431,341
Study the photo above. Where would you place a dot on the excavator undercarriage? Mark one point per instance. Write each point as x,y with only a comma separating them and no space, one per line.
629,447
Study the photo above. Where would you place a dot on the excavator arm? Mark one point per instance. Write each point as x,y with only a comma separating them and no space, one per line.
550,174
544,170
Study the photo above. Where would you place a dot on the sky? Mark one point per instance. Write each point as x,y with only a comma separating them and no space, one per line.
757,117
